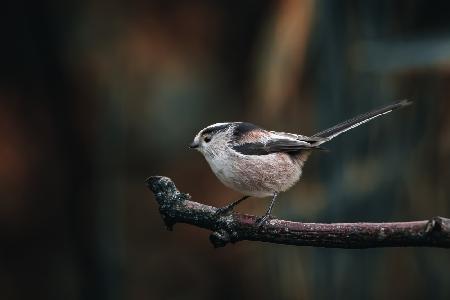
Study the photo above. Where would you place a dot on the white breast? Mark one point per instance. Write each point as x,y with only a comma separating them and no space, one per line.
255,175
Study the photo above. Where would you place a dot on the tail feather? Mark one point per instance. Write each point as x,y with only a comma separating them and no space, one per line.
336,130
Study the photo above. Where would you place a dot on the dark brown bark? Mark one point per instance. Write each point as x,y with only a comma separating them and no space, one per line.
177,207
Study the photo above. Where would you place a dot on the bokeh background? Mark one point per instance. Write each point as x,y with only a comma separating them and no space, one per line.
95,96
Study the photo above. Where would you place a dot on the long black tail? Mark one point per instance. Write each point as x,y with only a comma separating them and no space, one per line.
334,131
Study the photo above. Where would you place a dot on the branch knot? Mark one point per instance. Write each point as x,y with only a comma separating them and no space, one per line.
219,238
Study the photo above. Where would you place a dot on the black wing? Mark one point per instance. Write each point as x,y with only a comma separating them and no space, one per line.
274,146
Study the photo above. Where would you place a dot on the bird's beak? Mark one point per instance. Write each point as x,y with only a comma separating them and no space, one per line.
194,145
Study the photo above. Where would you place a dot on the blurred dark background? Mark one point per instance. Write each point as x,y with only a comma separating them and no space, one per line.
95,96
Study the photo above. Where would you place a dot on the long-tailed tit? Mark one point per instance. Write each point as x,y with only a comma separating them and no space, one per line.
261,163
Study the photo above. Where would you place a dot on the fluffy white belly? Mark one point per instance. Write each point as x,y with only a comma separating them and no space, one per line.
255,175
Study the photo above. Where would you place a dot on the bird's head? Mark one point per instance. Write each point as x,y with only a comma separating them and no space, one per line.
210,141
213,137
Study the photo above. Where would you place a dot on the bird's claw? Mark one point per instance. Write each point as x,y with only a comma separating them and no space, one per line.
226,210
262,220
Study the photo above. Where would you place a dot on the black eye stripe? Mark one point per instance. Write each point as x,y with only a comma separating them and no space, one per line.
207,139
214,129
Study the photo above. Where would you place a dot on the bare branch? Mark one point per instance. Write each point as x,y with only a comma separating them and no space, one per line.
177,207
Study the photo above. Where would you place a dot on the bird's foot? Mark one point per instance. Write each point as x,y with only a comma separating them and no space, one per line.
262,220
226,210
229,208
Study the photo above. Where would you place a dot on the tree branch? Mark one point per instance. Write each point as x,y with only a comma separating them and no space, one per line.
177,207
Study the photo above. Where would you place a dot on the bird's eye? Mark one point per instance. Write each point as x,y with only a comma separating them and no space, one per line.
207,139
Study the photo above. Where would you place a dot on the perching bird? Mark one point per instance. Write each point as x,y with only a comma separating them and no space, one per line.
261,163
